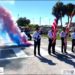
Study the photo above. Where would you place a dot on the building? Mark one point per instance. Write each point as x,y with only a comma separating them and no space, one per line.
45,29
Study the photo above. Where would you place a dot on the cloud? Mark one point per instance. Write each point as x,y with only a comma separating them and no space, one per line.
12,2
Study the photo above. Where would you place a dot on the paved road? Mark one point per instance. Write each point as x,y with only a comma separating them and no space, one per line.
22,61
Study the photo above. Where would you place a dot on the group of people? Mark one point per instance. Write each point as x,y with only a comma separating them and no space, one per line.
52,41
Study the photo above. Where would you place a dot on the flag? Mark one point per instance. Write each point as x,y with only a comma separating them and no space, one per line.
68,27
69,24
54,28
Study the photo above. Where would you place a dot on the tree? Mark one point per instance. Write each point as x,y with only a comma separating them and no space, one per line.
59,11
69,9
23,21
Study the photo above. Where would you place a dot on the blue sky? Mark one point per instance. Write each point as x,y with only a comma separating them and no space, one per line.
34,9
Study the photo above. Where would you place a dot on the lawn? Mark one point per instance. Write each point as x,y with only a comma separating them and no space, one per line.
58,37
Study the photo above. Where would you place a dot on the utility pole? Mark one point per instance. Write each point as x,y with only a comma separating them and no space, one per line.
40,21
49,21
33,21
61,19
18,15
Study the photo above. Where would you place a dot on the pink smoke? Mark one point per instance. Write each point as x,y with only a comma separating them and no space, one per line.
10,26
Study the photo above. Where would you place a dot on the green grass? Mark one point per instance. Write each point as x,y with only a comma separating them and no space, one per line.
58,37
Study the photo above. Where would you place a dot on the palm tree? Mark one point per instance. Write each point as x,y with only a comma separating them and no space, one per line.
69,10
59,11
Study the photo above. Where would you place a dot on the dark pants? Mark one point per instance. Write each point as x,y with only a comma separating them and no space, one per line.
29,36
73,44
63,45
37,44
51,45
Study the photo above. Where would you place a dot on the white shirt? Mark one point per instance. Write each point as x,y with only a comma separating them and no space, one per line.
36,35
63,34
50,34
73,35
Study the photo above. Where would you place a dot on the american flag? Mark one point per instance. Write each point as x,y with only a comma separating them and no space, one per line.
69,24
68,27
54,28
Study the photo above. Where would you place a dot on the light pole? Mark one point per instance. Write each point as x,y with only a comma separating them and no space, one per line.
49,21
61,18
33,21
40,21
18,15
